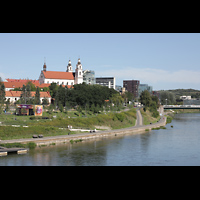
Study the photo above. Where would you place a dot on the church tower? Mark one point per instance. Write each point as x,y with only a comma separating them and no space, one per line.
79,73
69,67
44,67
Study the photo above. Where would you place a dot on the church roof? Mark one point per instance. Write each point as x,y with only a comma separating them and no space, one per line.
58,75
18,94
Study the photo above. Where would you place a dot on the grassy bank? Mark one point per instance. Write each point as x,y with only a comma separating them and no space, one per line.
30,145
148,118
58,125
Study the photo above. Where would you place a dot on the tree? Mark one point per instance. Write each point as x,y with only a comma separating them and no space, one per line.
167,98
53,89
128,96
45,101
145,98
37,96
32,86
2,92
151,103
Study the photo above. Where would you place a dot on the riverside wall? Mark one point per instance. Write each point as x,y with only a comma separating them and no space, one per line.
87,136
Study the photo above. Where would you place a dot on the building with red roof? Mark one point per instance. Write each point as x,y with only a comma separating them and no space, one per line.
14,96
68,77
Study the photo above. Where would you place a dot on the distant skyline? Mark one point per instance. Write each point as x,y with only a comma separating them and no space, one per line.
162,60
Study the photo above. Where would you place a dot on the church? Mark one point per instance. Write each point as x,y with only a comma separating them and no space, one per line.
68,78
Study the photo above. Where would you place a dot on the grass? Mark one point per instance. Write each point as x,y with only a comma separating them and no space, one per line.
147,117
9,132
50,127
30,145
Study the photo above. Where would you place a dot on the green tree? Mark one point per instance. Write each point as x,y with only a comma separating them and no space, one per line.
32,86
145,98
37,96
53,89
45,101
2,92
167,97
26,94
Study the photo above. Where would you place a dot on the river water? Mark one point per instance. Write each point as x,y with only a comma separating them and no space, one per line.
179,145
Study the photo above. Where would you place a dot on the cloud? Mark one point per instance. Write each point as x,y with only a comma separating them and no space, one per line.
158,78
148,75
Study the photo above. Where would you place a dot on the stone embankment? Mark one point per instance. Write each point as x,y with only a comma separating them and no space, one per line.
85,136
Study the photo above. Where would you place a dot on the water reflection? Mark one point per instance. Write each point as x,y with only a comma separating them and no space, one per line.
171,146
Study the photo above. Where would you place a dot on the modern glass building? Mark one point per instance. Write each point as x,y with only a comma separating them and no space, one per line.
143,87
89,77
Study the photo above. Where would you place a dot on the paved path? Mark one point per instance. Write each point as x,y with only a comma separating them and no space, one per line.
60,138
139,121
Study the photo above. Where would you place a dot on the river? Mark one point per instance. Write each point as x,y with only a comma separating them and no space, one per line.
175,146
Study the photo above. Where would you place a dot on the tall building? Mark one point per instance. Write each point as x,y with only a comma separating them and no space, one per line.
132,86
89,77
144,87
106,81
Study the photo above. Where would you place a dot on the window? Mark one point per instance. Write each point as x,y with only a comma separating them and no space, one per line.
79,73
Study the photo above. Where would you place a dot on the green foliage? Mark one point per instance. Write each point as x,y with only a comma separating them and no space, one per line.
37,96
169,119
169,96
145,98
41,125
26,95
90,97
2,92
30,145
120,116
151,103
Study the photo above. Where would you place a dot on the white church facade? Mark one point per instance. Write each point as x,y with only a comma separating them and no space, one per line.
63,78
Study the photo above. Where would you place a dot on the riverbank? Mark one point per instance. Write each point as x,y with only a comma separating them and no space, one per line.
23,127
86,136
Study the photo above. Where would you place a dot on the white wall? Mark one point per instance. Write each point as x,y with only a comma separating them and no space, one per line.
12,99
59,81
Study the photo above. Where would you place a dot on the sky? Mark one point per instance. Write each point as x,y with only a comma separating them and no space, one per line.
162,60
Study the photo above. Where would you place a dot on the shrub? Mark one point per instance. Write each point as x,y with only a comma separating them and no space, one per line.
120,116
169,119
31,145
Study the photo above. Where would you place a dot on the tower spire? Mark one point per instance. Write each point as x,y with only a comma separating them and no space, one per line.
44,66
69,67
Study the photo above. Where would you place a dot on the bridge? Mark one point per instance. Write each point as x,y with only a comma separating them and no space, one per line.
181,107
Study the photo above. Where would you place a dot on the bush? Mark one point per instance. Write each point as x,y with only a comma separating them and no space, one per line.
155,114
31,145
120,116
169,119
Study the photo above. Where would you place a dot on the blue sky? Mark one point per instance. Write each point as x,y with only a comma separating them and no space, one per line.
163,60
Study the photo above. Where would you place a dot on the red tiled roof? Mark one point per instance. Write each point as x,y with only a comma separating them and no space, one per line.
18,94
44,85
13,94
13,84
58,75
24,81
